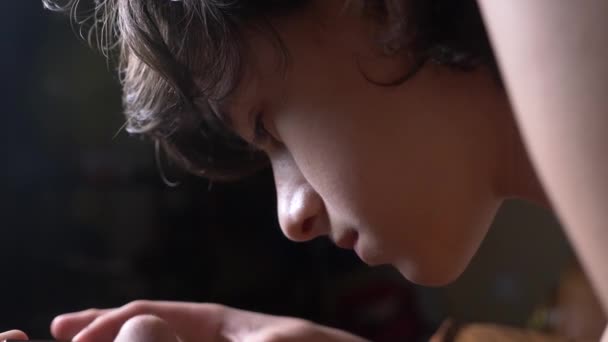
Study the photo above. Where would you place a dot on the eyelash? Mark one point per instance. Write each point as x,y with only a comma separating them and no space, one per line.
261,136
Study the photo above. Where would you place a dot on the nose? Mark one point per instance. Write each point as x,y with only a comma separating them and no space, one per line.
301,211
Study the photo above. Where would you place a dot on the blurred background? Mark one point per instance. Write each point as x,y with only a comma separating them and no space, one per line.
86,220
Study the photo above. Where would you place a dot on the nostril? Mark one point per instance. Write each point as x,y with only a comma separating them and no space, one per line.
302,229
307,226
301,213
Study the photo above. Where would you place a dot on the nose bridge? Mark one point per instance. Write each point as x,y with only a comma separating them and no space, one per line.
300,209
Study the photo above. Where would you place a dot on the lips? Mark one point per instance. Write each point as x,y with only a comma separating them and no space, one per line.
348,240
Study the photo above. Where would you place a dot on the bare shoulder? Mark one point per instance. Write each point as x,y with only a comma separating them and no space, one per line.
553,56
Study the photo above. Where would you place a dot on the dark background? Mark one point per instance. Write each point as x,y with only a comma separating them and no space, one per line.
86,221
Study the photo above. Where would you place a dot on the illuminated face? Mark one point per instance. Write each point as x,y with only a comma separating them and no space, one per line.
406,174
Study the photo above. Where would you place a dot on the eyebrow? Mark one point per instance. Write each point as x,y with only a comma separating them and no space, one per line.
222,113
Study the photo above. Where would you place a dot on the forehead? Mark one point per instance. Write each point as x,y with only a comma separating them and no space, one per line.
270,48
264,58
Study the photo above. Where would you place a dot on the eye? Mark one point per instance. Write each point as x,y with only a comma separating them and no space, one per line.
261,136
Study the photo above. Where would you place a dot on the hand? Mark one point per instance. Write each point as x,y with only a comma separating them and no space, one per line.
13,335
153,321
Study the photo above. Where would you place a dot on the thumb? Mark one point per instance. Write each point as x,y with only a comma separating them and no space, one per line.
146,328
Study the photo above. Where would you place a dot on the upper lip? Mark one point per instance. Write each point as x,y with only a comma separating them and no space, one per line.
347,240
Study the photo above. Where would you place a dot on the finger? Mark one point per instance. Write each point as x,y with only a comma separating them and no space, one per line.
193,322
107,326
146,328
13,335
66,326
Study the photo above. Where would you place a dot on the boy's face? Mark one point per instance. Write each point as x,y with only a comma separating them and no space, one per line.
406,175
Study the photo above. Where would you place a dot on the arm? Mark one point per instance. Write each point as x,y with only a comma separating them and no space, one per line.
553,56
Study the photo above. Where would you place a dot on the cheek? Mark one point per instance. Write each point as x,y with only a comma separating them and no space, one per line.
336,157
370,167
419,194
409,172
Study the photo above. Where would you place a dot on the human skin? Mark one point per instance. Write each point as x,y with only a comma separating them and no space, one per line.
555,62
414,172
409,175
13,335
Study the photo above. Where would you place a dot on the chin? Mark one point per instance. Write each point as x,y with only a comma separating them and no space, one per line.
430,277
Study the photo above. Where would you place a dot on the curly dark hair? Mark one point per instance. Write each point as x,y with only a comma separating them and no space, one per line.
176,57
